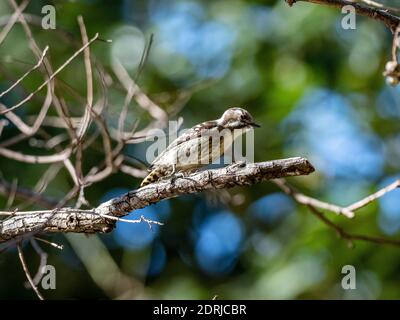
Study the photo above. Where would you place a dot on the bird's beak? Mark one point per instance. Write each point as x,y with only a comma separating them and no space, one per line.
255,125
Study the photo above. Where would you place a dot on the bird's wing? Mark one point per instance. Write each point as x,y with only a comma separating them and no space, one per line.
190,134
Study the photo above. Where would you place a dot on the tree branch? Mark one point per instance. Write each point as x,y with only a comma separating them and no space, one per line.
351,237
390,20
315,205
102,219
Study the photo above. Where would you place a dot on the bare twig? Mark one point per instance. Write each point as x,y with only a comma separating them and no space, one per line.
141,98
18,156
380,5
374,196
89,80
348,236
37,65
12,20
53,244
50,78
11,194
28,275
3,123
306,200
378,12
390,20
314,205
22,126
134,172
76,172
43,261
392,67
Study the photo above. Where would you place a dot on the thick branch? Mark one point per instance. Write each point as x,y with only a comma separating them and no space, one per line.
387,18
20,224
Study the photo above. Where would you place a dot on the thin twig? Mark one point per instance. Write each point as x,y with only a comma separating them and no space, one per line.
13,19
314,205
306,200
37,65
28,275
53,244
363,202
43,261
348,236
380,5
50,78
390,20
18,156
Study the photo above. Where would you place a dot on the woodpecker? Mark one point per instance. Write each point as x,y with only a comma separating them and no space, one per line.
200,145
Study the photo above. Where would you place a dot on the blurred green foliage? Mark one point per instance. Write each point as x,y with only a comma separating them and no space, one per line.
318,92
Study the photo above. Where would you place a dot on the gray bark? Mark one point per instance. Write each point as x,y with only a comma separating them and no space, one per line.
23,224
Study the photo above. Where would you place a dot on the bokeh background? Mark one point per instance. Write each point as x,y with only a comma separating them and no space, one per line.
318,92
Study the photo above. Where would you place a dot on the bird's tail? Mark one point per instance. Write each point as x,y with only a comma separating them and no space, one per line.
153,176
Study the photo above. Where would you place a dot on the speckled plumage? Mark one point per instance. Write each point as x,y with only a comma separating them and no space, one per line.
200,145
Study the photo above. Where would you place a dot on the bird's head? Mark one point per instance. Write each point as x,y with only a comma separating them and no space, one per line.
237,118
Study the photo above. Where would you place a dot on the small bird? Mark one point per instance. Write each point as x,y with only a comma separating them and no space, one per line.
200,145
